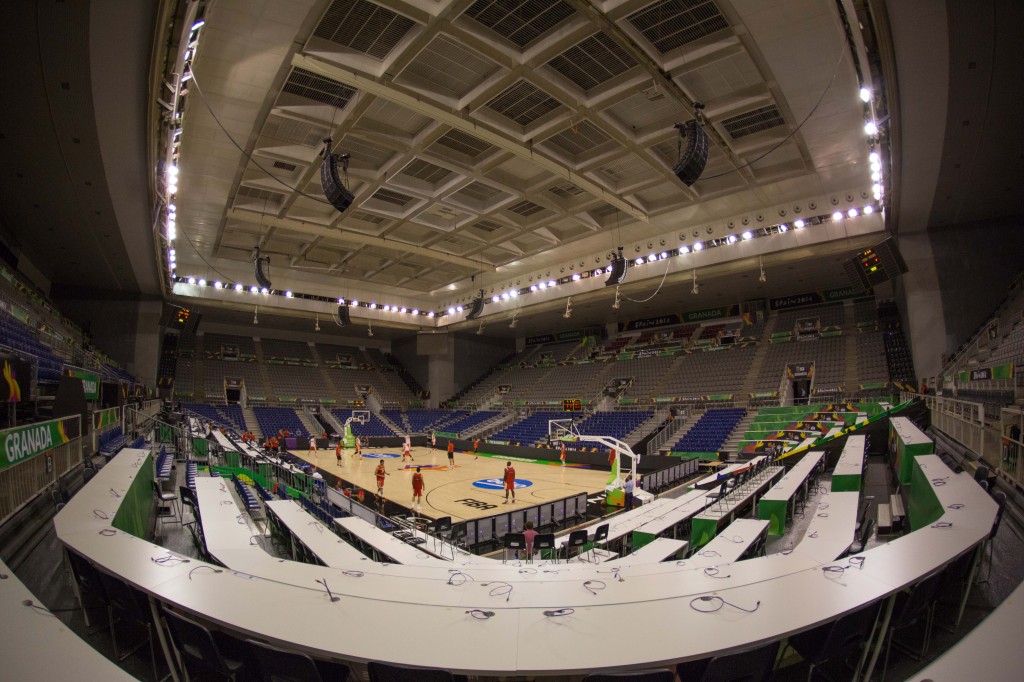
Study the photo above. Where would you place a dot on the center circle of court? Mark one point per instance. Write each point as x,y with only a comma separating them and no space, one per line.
499,483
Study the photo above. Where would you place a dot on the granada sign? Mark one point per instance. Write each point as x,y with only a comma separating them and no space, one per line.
25,442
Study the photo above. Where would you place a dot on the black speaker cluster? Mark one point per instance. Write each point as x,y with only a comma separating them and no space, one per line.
695,156
619,269
334,189
476,307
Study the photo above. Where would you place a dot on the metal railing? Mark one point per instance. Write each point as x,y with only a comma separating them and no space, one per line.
23,480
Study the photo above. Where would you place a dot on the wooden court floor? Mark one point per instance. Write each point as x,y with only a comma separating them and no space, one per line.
451,492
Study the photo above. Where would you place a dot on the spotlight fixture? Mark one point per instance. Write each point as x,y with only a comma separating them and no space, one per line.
852,213
316,327
869,209
760,264
256,315
202,282
837,216
617,304
870,128
698,246
747,235
335,187
696,287
799,224
618,269
865,95
568,308
684,249
692,160
480,329
262,267
369,328
515,321
254,289
218,285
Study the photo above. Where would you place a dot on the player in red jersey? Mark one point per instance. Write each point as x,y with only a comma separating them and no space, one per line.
417,490
380,474
510,482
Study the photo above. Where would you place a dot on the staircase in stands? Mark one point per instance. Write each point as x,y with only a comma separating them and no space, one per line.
732,443
251,423
759,356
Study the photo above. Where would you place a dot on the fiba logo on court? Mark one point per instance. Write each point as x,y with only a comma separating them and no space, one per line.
381,455
499,483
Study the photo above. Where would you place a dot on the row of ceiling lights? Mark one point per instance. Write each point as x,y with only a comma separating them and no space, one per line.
514,293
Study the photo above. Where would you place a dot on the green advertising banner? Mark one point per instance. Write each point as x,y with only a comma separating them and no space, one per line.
101,418
90,381
25,442
712,313
987,373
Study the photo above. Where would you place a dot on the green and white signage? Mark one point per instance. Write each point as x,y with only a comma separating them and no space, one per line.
25,442
90,381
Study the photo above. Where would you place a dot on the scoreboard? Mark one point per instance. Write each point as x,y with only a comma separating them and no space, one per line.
181,317
572,405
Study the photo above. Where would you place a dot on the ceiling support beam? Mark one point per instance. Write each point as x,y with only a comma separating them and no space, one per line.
352,236
454,120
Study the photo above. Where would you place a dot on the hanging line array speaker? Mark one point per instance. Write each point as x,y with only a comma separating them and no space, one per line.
695,156
341,316
334,189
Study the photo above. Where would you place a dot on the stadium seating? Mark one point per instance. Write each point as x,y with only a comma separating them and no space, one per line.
274,419
529,431
710,431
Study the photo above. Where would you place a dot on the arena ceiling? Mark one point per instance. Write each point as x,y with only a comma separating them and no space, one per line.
494,144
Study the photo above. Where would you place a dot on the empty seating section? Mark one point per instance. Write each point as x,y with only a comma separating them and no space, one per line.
614,424
865,311
702,373
901,364
276,348
375,427
221,345
828,355
215,372
710,331
274,419
295,381
871,362
423,420
710,431
25,342
184,376
646,372
828,316
533,429
465,425
227,415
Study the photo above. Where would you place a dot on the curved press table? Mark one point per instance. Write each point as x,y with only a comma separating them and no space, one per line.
527,619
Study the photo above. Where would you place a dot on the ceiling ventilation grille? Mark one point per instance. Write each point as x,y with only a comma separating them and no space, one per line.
298,132
523,102
479,191
363,26
428,172
391,197
367,217
566,190
487,225
261,194
671,23
593,61
579,138
763,118
285,166
520,21
525,208
464,143
317,88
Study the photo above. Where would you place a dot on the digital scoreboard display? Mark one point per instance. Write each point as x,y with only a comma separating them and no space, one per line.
572,405
181,317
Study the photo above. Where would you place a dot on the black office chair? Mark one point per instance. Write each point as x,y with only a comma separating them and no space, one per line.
836,639
638,676
545,541
163,497
716,496
913,607
515,541
981,473
384,672
861,543
577,539
1000,497
131,606
600,538
90,587
197,644
752,665
281,665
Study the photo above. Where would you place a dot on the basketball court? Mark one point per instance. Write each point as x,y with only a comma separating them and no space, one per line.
471,490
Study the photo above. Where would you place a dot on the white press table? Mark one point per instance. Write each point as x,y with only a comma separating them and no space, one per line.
318,538
778,498
657,599
36,645
729,545
656,551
